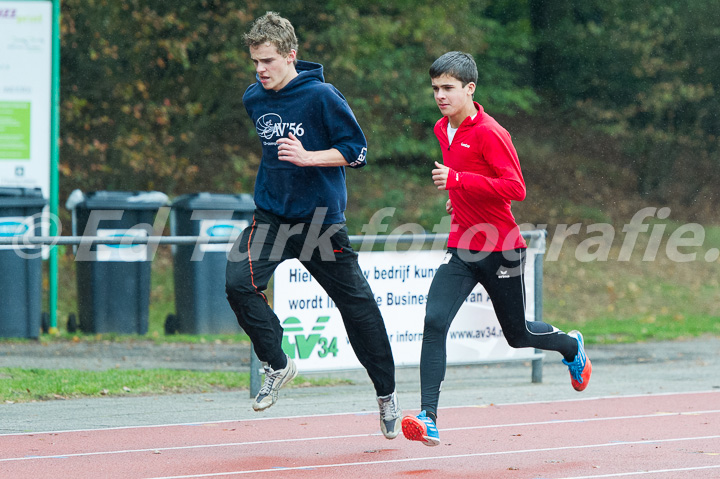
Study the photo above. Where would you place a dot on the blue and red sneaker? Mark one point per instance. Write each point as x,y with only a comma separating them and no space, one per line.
580,368
421,428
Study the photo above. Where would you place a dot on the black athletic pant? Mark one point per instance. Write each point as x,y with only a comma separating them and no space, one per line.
271,240
502,275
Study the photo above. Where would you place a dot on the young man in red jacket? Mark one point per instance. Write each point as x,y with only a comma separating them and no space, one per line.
481,173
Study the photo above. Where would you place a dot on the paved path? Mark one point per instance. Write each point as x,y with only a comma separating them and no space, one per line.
100,355
618,370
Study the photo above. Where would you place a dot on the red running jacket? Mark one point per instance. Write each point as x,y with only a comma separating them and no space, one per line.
484,179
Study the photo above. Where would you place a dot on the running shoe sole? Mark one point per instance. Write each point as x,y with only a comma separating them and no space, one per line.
587,370
415,430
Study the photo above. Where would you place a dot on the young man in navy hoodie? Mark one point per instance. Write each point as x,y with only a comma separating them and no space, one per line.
309,136
481,173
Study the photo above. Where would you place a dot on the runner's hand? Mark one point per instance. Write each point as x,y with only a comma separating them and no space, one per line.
290,149
440,176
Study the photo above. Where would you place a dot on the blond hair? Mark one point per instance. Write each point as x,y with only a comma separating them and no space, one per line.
275,29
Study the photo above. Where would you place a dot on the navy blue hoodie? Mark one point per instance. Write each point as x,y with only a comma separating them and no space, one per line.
319,116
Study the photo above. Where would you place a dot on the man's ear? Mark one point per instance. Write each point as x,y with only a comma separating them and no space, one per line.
292,56
471,88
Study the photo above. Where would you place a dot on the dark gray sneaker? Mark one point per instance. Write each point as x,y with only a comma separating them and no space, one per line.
390,421
274,380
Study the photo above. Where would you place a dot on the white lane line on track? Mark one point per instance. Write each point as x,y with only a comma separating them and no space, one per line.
359,413
332,438
439,458
641,473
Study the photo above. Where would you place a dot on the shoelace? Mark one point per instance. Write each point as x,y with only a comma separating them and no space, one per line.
270,377
389,408
576,367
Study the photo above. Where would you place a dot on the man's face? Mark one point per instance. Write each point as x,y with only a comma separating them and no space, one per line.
275,71
451,97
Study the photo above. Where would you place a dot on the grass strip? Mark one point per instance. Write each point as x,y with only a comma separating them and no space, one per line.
645,328
26,385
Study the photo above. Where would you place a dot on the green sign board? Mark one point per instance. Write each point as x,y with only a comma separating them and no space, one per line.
14,130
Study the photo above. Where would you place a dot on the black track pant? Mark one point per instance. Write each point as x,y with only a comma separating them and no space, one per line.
271,240
502,275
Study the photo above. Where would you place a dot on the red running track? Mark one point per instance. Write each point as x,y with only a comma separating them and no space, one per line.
671,436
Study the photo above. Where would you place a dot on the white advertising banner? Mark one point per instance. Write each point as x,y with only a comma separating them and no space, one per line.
25,89
316,339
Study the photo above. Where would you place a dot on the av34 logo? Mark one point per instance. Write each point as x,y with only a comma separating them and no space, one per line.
295,342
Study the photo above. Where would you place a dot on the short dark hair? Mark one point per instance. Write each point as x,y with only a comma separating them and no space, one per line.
458,65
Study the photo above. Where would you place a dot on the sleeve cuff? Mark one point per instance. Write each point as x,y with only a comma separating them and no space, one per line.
453,180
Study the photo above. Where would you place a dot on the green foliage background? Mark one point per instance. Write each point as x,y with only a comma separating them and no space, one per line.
152,90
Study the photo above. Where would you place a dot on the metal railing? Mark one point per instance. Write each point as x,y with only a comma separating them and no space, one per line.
536,238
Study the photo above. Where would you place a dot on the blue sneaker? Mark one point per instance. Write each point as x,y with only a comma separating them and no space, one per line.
580,368
421,428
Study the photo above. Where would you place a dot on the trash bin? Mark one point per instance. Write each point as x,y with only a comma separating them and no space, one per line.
21,278
201,304
113,281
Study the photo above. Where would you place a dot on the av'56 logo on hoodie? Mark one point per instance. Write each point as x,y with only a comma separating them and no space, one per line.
271,126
